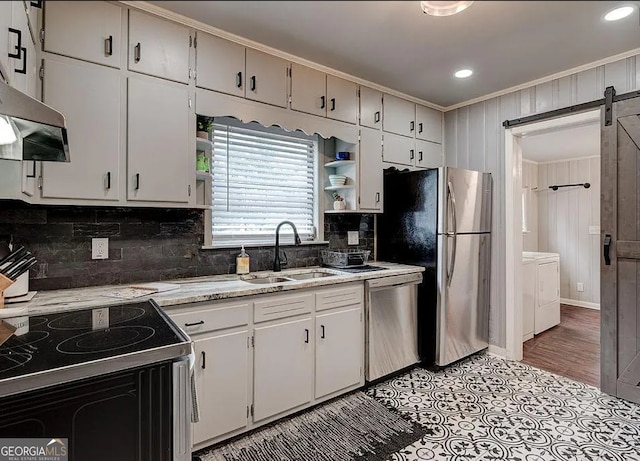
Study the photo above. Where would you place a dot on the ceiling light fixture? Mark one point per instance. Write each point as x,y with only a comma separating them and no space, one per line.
619,13
463,73
444,8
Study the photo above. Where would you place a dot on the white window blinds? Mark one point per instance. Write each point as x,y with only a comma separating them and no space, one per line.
261,178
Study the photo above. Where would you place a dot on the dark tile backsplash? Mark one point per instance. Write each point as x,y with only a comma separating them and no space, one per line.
145,244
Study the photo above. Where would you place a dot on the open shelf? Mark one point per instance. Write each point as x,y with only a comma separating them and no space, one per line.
204,144
339,163
202,175
343,211
346,186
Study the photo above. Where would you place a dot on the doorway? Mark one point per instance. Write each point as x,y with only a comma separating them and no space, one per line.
560,175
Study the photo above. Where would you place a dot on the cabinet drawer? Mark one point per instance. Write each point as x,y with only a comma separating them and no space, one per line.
277,307
211,317
339,297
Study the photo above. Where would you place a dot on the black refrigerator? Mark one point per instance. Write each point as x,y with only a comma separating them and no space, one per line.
441,219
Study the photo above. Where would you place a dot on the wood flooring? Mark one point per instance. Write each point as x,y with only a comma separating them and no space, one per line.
570,349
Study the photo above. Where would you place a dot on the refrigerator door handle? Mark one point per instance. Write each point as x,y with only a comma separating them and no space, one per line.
452,199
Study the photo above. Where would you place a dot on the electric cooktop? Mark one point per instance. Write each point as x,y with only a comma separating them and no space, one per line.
87,342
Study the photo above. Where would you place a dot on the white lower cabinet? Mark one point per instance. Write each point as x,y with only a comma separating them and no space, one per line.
283,367
222,378
339,350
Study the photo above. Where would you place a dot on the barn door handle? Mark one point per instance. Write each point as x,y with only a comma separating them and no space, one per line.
606,249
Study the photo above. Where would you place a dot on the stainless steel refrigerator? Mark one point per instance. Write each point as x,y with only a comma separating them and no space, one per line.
441,219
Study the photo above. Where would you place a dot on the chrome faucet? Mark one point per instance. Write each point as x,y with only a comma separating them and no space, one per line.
276,261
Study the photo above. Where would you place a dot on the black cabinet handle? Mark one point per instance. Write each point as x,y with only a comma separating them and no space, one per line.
321,331
411,154
201,322
37,4
33,171
108,180
412,126
333,104
420,156
24,62
136,52
253,83
306,335
377,197
108,46
137,181
606,249
18,52
322,102
420,127
376,117
239,79
204,360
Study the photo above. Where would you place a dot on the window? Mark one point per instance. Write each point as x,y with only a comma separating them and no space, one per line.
261,177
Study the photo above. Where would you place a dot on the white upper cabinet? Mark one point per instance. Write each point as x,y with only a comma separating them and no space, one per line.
158,158
158,47
370,107
428,154
220,65
399,116
371,169
266,78
22,67
5,49
428,124
308,90
90,31
398,149
89,97
342,99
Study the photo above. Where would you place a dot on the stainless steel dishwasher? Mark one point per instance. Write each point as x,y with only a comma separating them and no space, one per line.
392,324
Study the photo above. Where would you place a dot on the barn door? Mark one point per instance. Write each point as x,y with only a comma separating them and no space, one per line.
620,267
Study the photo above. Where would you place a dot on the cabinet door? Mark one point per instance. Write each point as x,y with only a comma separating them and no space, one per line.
339,351
22,69
222,378
158,47
5,42
283,367
266,78
398,149
370,107
428,154
308,90
89,97
90,31
428,124
371,169
158,160
220,65
399,116
342,99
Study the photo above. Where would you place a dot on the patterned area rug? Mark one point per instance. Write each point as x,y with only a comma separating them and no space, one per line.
355,427
486,408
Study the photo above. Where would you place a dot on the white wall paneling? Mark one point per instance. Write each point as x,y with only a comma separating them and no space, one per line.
463,142
529,184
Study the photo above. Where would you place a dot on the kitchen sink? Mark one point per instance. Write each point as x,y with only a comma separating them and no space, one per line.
311,275
268,280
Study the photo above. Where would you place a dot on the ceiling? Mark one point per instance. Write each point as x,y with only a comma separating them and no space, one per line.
562,144
392,43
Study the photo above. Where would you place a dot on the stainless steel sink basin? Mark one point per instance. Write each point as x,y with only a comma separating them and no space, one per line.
311,275
268,280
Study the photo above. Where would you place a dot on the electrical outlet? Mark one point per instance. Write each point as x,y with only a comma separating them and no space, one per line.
100,318
353,238
100,248
580,287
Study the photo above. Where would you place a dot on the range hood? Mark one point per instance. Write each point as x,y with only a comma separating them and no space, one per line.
29,129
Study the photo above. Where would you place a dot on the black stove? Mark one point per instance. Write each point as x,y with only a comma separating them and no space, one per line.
88,342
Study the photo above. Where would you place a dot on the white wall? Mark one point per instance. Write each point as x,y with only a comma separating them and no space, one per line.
474,139
530,183
564,217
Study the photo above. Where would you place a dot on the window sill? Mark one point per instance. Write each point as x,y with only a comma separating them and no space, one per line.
232,245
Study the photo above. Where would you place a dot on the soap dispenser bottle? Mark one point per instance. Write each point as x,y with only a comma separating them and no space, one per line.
242,262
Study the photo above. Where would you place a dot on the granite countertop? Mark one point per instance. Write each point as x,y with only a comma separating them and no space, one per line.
198,289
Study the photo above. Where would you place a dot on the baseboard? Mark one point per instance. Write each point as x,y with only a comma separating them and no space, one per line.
575,302
497,351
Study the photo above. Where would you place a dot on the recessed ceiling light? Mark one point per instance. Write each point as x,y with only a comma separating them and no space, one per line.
435,8
619,13
463,73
